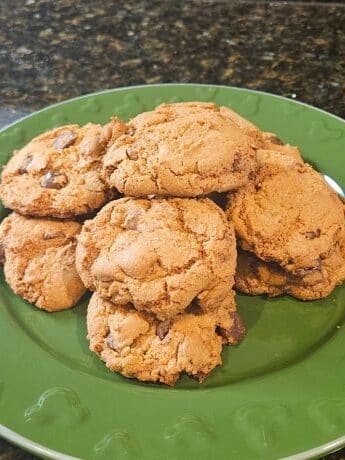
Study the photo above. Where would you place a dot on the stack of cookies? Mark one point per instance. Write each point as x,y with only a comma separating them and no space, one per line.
291,235
51,183
162,260
179,182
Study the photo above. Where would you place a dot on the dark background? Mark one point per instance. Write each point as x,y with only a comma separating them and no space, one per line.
54,50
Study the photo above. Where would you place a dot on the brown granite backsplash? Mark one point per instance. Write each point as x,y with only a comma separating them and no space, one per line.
52,51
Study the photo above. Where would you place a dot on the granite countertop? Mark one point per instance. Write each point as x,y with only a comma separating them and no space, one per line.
51,51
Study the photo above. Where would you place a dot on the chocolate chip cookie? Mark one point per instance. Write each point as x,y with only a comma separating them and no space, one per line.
138,345
57,174
39,260
159,254
287,215
254,276
183,149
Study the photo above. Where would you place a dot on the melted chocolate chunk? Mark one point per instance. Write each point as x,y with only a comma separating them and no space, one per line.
109,341
162,329
131,154
65,139
237,330
54,180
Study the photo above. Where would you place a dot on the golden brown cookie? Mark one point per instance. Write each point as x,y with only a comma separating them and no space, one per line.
254,276
159,254
183,149
287,215
57,174
39,260
138,345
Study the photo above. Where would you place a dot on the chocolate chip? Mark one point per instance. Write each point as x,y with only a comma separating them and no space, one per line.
110,341
2,253
65,139
54,180
51,235
131,154
313,234
24,167
276,140
236,331
162,328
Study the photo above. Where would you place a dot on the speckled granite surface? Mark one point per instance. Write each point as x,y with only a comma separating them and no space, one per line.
52,51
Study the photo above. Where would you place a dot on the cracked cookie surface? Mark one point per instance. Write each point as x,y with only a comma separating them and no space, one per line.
287,215
182,149
57,174
138,345
39,260
159,254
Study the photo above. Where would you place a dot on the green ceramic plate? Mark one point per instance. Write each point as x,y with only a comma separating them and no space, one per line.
280,393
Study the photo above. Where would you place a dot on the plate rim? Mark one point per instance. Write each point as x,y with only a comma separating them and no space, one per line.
122,88
32,446
46,452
